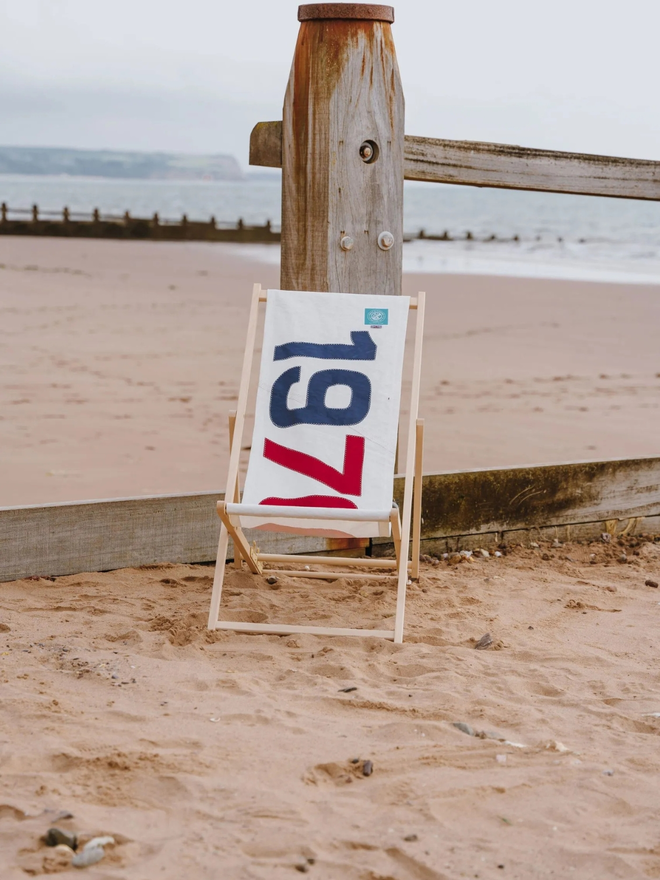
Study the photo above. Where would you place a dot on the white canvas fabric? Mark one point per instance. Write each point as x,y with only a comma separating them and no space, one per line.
327,409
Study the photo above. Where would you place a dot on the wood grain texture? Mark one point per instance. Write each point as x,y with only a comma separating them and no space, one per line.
458,509
68,538
266,144
344,89
473,163
510,167
506,499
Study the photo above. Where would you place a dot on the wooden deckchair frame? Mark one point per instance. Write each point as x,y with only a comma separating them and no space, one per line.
403,526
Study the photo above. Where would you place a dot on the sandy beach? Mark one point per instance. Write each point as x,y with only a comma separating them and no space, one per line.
119,362
225,755
219,754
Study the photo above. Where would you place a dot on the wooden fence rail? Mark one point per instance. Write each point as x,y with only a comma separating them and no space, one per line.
502,166
461,509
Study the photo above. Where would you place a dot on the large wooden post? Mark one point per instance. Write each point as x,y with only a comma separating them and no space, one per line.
342,153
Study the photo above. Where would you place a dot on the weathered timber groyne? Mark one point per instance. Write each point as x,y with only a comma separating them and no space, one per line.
69,224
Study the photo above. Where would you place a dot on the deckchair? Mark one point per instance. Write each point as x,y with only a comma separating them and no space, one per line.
324,443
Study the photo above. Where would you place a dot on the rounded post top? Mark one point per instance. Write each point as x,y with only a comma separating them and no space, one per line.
355,11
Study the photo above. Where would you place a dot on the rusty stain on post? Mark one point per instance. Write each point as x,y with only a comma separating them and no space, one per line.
344,91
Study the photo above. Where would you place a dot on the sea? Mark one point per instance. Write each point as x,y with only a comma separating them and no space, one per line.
501,232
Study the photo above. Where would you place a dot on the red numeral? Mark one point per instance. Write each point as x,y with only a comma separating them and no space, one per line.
348,481
311,501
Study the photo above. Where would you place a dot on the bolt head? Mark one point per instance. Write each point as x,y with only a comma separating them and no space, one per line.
346,243
385,241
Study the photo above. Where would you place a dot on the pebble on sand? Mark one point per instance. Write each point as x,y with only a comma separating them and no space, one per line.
650,583
55,836
57,859
484,642
464,728
90,855
92,852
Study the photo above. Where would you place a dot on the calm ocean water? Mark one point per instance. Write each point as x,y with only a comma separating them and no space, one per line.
560,236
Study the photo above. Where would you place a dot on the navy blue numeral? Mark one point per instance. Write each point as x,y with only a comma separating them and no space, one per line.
316,412
362,348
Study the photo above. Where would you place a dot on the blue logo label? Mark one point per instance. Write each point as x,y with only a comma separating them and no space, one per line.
375,317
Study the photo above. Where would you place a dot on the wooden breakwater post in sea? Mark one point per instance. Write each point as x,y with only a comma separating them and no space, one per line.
338,200
70,224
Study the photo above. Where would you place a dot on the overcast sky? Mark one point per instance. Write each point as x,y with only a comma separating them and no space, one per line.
195,75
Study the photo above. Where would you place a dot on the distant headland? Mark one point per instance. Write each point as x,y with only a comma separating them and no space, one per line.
118,164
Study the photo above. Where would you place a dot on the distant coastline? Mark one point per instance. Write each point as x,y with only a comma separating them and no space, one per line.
117,164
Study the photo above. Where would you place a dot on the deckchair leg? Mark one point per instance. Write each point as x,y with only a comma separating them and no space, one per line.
395,521
417,499
401,599
238,558
402,574
219,577
240,540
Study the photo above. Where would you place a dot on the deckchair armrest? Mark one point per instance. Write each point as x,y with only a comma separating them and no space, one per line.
345,514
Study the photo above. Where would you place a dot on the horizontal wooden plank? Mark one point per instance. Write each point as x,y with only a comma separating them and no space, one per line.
502,166
266,144
502,500
67,538
482,506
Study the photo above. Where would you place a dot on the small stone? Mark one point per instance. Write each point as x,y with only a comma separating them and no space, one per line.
623,558
463,727
546,556
606,538
56,836
271,580
650,583
355,760
498,554
303,867
608,772
411,838
90,855
556,543
484,642
99,841
534,545
367,768
484,553
530,627
293,643
347,690
455,558
57,859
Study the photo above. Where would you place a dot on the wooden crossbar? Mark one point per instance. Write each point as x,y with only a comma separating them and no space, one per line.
502,166
283,629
